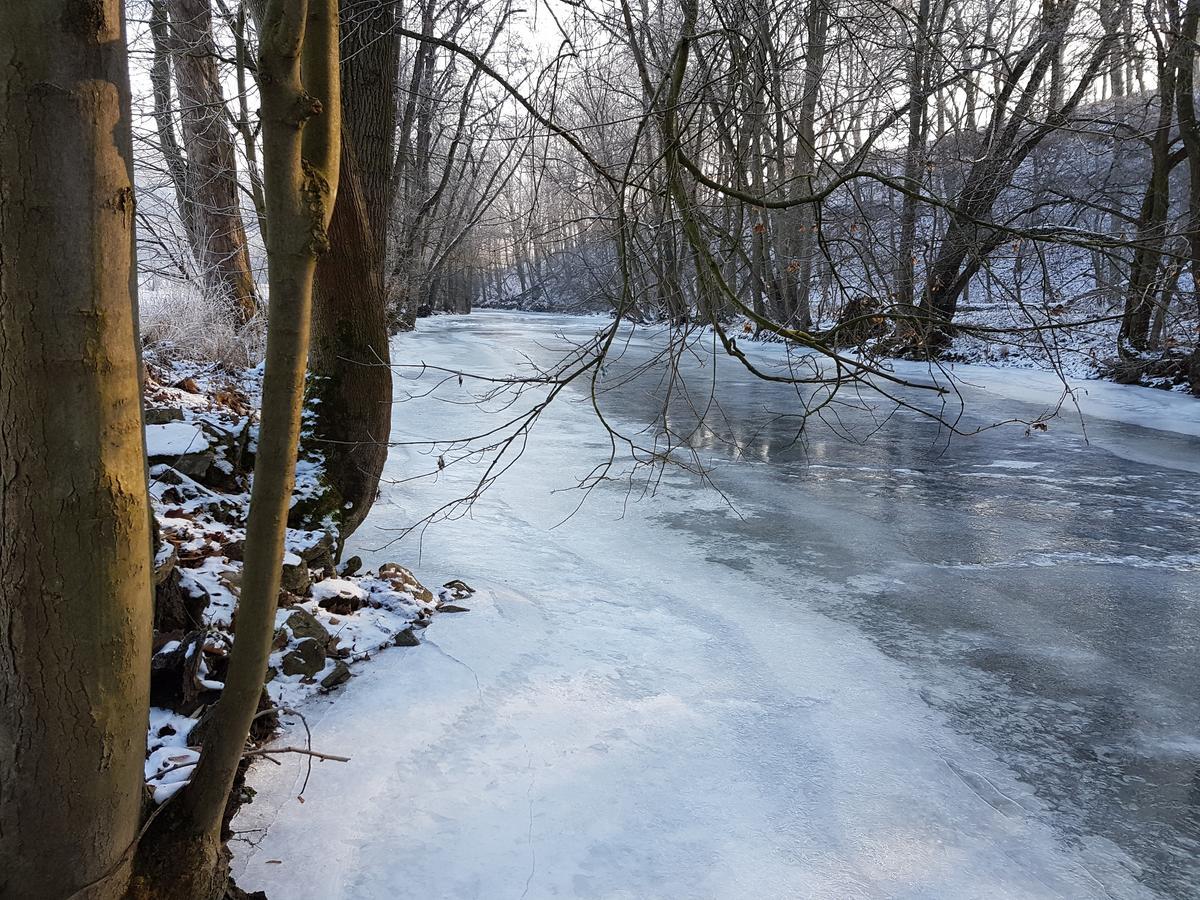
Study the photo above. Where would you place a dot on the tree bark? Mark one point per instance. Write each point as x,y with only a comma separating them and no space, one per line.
349,358
164,121
351,378
75,554
968,239
817,25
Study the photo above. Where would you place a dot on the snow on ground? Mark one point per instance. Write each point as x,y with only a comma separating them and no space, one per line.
175,439
644,702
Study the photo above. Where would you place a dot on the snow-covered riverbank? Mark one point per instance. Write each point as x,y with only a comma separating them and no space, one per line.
201,433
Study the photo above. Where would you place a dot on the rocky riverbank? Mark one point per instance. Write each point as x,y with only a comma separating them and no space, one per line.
201,433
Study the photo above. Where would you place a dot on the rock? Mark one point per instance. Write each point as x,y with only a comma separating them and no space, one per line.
318,552
231,580
227,442
307,659
451,608
351,566
262,728
204,450
406,638
304,624
165,560
404,580
339,675
182,445
161,415
295,577
338,596
266,721
175,676
193,465
178,607
287,598
456,589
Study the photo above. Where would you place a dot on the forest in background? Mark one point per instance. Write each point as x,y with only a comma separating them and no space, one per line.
998,181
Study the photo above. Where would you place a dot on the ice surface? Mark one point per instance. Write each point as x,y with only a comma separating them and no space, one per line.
802,695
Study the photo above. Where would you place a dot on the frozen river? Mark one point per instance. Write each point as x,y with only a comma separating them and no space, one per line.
884,668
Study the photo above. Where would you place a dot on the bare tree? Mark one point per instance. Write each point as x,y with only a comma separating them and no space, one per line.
203,168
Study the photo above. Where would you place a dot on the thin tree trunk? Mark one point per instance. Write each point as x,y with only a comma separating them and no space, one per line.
164,122
245,129
301,137
913,153
75,583
817,22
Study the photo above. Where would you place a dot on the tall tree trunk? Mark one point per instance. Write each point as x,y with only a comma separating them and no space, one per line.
817,24
403,294
369,73
351,378
301,131
913,153
246,129
349,357
211,184
164,117
1140,299
75,589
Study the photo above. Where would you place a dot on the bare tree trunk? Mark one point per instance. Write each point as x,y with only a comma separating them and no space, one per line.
244,127
301,131
817,21
349,357
75,588
1112,21
967,238
211,163
164,121
913,153
1134,335
369,74
403,295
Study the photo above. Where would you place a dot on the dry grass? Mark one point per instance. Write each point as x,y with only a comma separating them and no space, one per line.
181,321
